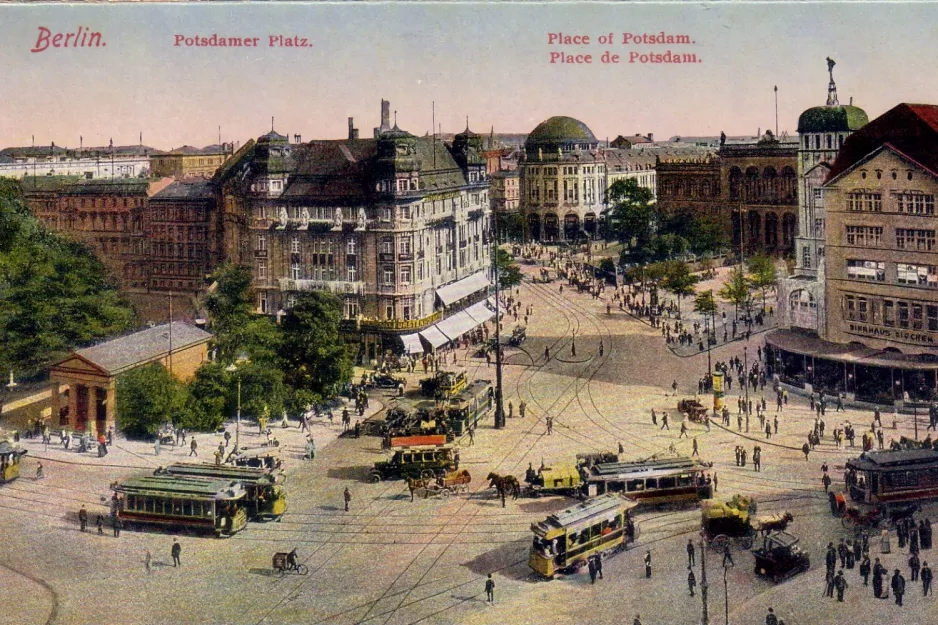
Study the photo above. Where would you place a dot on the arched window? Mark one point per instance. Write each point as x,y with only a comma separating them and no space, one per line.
735,177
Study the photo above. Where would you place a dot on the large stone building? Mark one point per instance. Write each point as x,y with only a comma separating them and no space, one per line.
188,161
881,267
113,161
397,226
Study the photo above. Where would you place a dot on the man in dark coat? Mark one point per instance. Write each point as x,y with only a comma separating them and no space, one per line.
830,559
914,565
898,586
690,553
865,571
879,571
842,552
770,618
83,518
648,563
175,552
591,563
599,565
840,583
926,579
691,580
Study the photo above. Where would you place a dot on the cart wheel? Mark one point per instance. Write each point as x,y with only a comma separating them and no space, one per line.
302,569
848,522
374,478
719,542
445,493
281,571
746,542
427,474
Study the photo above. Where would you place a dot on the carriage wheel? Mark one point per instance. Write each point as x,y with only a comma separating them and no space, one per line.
746,542
374,478
446,492
719,542
848,522
427,474
302,569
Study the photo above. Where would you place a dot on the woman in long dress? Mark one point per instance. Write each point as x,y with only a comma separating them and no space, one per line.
884,543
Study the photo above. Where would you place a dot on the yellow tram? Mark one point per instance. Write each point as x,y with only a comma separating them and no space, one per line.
10,461
565,540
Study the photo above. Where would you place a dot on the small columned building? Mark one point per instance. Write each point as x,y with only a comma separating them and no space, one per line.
84,384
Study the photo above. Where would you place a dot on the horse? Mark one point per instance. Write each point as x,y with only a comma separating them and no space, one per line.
777,522
504,484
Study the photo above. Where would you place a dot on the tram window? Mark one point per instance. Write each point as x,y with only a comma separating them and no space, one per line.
177,508
148,505
187,508
634,485
651,483
685,480
667,482
131,502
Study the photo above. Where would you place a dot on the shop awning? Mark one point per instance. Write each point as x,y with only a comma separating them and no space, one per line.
480,312
412,344
456,325
463,288
504,309
433,336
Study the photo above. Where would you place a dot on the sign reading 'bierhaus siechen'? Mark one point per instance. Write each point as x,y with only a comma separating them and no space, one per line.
894,334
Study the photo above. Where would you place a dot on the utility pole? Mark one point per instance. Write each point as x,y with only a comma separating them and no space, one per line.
746,383
705,615
499,407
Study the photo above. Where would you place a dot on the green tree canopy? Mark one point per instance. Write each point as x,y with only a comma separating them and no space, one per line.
147,397
314,356
54,293
236,328
736,289
632,212
509,272
705,303
762,274
679,280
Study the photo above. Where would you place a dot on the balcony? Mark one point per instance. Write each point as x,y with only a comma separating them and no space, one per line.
332,286
405,256
386,257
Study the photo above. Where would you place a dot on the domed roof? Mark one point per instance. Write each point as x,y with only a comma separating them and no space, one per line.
560,130
271,137
832,119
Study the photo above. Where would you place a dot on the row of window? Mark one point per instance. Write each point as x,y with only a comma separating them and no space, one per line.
914,239
891,313
906,273
906,203
177,213
180,233
180,250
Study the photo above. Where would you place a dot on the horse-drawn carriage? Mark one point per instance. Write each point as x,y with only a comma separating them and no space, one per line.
695,410
518,335
735,520
780,557
450,483
555,480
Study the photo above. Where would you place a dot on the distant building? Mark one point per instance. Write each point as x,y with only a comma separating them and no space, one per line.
626,164
623,143
690,183
505,191
88,402
878,342
114,161
188,161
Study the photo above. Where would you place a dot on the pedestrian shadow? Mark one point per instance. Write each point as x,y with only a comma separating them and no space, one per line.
494,560
545,505
358,474
267,572
329,508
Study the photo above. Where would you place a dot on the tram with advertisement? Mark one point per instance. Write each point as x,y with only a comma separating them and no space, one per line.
264,493
471,404
564,541
649,482
10,456
888,479
183,503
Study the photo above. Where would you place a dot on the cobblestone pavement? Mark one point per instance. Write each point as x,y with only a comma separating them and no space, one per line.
393,562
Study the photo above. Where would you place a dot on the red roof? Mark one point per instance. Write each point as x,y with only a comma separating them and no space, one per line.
911,129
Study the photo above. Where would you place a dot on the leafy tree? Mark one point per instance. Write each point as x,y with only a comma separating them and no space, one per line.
762,274
736,289
210,391
262,390
607,265
632,212
509,272
54,293
679,280
237,329
147,397
314,356
706,305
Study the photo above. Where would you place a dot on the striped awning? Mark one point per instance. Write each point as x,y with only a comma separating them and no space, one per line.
433,336
480,312
463,288
412,344
456,325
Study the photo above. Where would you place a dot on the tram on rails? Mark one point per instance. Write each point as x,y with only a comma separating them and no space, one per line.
885,478
10,461
264,494
649,482
470,404
184,503
564,541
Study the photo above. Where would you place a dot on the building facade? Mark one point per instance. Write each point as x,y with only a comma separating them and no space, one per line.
505,191
690,183
188,161
397,226
114,161
881,267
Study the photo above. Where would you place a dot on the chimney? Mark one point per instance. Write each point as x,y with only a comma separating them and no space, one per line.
651,137
385,115
851,100
352,130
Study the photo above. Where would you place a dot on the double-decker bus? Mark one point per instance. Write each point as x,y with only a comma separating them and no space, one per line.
183,503
565,540
264,494
649,481
881,478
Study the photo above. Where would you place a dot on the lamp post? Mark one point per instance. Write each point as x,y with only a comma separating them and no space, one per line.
233,368
746,382
499,406
705,615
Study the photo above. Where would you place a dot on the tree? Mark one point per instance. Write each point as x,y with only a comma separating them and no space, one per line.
736,289
509,272
607,265
148,397
210,392
235,326
706,305
314,357
679,280
632,212
54,293
762,274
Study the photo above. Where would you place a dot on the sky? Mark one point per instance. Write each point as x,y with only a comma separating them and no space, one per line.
488,62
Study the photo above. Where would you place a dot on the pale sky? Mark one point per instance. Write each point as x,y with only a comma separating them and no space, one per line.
489,62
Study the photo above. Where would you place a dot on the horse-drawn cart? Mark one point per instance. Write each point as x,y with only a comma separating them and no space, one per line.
722,522
453,483
694,410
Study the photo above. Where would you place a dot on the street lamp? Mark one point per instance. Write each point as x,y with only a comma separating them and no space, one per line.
233,368
705,615
499,406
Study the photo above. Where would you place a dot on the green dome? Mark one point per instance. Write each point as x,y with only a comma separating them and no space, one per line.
832,119
560,131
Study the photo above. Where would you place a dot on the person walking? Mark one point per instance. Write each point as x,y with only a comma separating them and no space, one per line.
490,589
522,409
347,496
674,387
83,518
683,430
99,522
914,566
176,551
695,452
599,565
830,559
840,583
591,564
691,581
648,564
770,618
147,560
885,545
805,450
879,571
664,421
926,575
193,448
690,553
898,586
472,435
550,424
826,481
865,571
117,524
